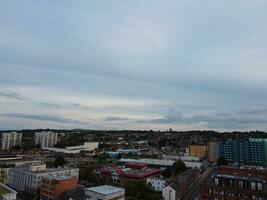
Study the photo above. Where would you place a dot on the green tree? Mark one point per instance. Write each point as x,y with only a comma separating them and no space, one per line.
178,167
60,161
222,161
140,190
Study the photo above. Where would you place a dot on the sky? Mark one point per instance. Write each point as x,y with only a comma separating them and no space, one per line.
135,64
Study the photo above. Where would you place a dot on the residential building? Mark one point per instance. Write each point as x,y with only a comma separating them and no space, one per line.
213,151
10,140
4,172
180,188
197,151
104,192
6,193
53,187
157,183
45,138
233,183
30,176
252,151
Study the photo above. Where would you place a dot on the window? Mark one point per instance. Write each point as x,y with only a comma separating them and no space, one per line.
253,185
259,186
240,184
216,181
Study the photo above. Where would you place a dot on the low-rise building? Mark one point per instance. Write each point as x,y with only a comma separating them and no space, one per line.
233,183
24,177
197,151
157,183
6,193
52,187
179,188
129,172
104,192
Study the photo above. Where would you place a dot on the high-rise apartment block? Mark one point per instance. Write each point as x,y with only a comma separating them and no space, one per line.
252,151
10,140
45,138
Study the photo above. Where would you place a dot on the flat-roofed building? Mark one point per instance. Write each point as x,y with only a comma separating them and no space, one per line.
24,177
197,151
6,193
53,187
104,192
10,140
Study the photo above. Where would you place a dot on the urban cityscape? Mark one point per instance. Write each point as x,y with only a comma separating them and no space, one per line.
133,100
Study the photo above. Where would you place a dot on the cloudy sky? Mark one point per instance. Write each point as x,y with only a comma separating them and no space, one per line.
135,64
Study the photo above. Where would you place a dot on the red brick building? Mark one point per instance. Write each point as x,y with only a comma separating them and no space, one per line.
53,187
233,183
130,172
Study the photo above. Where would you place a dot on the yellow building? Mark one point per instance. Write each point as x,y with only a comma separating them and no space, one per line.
197,151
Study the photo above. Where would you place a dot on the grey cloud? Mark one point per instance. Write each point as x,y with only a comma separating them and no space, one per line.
12,95
41,117
114,118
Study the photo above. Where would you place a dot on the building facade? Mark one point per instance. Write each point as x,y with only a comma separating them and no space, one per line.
104,192
233,183
46,138
10,140
213,151
24,177
197,151
52,187
252,151
157,183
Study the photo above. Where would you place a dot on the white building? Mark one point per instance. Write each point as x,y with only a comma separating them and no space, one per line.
169,193
6,193
88,146
104,192
45,138
157,183
31,176
10,140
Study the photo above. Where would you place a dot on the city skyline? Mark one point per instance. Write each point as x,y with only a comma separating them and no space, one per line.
133,65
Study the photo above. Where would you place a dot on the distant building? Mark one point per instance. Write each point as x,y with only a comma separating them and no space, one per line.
197,151
6,193
252,151
213,151
233,183
30,176
87,146
10,140
104,192
157,183
179,188
189,163
45,138
53,187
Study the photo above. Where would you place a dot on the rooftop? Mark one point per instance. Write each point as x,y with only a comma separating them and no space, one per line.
59,178
105,189
5,189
